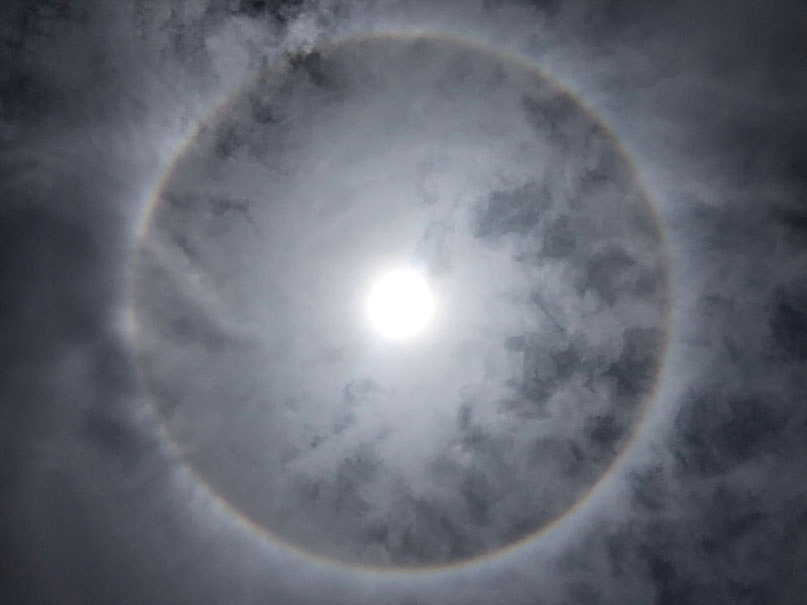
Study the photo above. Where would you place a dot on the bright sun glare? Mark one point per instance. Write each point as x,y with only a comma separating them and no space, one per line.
400,304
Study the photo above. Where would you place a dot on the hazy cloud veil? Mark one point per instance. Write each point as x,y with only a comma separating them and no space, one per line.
608,200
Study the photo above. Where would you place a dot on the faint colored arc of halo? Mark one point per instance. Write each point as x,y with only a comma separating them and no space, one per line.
646,403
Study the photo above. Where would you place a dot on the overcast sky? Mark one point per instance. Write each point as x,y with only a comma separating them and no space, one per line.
607,200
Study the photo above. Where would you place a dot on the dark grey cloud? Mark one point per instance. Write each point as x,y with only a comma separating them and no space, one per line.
126,454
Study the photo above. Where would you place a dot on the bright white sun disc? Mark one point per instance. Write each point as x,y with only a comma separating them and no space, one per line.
400,304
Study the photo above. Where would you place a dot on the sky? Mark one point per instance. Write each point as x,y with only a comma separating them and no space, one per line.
607,200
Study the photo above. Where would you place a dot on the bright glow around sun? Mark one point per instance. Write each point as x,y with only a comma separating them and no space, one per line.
400,304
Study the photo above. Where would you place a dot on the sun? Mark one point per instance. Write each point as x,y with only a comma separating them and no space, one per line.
400,304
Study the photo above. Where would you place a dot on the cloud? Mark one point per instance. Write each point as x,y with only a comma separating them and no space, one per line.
547,260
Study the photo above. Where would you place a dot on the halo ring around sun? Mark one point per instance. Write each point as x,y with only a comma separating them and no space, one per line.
402,289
